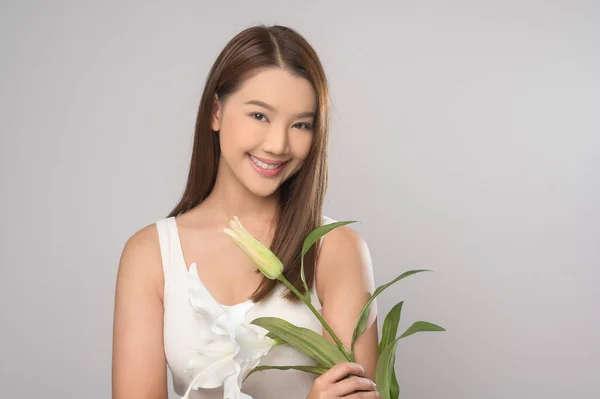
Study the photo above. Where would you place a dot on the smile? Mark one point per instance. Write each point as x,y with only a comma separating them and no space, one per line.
263,165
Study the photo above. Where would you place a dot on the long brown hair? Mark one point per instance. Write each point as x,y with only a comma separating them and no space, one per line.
301,197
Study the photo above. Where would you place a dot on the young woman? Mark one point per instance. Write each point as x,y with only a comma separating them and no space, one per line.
259,153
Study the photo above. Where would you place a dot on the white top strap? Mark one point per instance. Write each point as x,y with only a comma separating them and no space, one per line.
164,238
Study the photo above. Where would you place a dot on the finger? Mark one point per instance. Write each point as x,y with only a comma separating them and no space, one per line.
353,385
341,370
364,395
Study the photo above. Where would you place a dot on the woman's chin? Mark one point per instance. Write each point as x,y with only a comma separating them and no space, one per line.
263,189
264,193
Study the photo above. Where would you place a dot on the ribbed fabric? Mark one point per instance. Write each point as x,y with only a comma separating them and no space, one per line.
180,325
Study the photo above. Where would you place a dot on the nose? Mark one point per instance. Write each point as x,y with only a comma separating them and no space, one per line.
277,141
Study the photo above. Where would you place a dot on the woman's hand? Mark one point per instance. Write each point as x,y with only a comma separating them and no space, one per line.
334,384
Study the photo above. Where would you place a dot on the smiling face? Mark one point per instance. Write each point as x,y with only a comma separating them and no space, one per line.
265,129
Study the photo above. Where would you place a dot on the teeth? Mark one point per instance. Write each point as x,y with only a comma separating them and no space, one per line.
263,165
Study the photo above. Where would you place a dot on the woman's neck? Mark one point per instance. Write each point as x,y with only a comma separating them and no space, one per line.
230,198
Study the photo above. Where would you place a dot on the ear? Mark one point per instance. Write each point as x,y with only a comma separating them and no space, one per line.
216,112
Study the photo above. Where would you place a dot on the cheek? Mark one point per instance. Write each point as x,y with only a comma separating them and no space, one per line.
237,134
302,144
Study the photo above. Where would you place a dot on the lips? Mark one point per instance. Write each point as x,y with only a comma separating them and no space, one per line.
268,161
266,171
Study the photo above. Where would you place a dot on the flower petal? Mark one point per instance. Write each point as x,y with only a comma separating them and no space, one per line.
214,348
206,308
213,375
253,346
225,347
233,316
260,255
231,389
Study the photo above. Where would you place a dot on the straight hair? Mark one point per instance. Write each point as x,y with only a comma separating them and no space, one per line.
301,197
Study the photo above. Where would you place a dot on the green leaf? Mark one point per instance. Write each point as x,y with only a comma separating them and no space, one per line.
307,341
309,369
384,370
278,341
421,326
388,334
394,387
385,375
390,326
320,232
363,318
312,237
303,278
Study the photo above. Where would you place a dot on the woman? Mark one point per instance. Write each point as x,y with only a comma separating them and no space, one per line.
259,153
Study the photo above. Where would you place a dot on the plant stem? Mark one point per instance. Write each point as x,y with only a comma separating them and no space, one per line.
318,315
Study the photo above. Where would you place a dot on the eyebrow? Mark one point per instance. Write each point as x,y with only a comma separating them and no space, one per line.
271,108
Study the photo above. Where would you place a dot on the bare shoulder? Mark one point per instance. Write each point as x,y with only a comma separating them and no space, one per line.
344,256
138,363
143,241
141,258
345,279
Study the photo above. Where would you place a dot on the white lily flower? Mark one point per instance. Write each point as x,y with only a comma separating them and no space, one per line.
262,257
226,347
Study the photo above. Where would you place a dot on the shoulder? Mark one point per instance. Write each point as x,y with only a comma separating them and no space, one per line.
344,263
141,258
143,243
138,367
342,241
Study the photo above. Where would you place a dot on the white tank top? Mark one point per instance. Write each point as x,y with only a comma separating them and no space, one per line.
181,325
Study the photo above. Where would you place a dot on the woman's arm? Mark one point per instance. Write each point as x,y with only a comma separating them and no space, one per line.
345,281
138,364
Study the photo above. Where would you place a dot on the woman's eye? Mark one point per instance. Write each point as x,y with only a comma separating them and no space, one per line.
304,125
258,116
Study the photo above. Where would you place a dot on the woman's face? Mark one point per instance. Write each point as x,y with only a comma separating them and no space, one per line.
265,129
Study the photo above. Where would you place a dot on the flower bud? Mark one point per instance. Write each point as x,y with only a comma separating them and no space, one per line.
260,255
